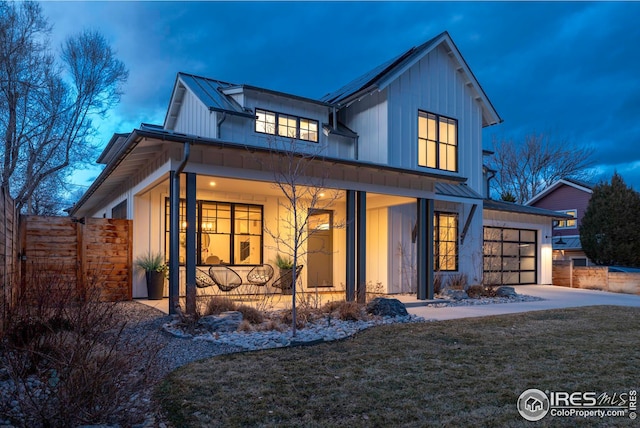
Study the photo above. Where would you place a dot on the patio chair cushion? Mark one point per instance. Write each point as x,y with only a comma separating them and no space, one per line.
260,275
203,280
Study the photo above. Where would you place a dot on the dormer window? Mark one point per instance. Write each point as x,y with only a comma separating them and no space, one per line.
437,141
284,125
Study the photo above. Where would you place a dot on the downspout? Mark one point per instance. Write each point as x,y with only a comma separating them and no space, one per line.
222,119
334,112
490,175
174,235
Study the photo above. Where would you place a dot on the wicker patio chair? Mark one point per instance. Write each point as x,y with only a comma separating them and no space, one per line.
225,278
260,275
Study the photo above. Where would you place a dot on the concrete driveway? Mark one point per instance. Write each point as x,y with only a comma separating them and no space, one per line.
554,298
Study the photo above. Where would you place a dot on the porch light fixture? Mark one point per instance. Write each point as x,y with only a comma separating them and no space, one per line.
560,241
212,183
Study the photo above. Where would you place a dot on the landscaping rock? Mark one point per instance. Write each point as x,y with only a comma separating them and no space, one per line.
455,294
386,307
506,292
223,323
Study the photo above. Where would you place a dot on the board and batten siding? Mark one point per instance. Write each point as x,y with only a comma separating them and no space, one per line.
369,119
434,85
195,118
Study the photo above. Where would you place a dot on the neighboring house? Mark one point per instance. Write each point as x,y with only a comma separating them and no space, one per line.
402,144
571,197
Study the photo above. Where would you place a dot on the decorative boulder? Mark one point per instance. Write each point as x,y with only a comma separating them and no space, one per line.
455,294
387,307
506,292
223,323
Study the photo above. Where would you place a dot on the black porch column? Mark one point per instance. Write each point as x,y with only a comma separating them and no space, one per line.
425,248
361,250
174,241
351,246
190,267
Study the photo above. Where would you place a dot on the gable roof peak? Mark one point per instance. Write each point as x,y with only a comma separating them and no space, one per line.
380,77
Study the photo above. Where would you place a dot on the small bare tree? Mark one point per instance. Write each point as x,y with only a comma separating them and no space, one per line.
523,169
46,105
302,184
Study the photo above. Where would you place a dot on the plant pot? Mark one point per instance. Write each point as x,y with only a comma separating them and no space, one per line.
287,281
155,285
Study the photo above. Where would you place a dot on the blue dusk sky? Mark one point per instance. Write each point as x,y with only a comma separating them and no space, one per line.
568,69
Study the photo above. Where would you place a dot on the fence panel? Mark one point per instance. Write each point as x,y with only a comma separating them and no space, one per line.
8,251
93,251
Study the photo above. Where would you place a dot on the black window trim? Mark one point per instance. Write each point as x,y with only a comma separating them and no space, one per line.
438,116
298,118
232,235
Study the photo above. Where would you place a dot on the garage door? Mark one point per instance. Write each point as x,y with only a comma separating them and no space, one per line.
510,256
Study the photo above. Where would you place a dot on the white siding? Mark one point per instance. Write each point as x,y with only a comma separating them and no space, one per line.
433,84
195,118
369,118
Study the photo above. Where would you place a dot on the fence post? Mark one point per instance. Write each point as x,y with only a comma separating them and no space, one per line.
571,273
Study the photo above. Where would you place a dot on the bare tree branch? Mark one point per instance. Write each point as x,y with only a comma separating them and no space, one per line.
46,106
523,169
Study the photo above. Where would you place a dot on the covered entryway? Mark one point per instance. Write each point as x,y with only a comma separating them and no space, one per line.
510,256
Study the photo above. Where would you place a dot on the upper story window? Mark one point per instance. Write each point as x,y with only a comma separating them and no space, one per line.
437,141
571,223
284,125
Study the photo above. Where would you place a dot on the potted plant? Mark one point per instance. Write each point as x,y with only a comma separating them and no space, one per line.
285,281
155,271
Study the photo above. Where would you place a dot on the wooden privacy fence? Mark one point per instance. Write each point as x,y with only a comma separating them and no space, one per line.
8,235
594,277
80,253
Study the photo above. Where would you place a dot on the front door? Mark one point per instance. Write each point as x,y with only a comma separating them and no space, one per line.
320,249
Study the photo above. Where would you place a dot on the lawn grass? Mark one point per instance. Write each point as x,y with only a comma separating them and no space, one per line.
466,372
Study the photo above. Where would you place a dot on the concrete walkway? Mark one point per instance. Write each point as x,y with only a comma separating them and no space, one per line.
554,298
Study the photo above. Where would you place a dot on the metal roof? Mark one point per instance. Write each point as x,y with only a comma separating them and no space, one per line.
209,91
570,243
459,190
377,78
491,204
363,81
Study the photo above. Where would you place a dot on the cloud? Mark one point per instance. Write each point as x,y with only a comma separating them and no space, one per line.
569,67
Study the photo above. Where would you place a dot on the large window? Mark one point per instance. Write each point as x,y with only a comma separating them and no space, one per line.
225,233
568,223
445,251
268,122
437,141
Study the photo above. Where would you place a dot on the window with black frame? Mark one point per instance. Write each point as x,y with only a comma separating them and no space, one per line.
445,251
226,233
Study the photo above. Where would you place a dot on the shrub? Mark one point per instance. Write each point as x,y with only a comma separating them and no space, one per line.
216,305
250,314
457,281
346,311
68,357
475,291
437,283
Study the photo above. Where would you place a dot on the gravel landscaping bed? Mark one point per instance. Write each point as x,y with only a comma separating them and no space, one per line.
177,348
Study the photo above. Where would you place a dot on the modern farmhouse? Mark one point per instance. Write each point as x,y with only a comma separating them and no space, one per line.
396,154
